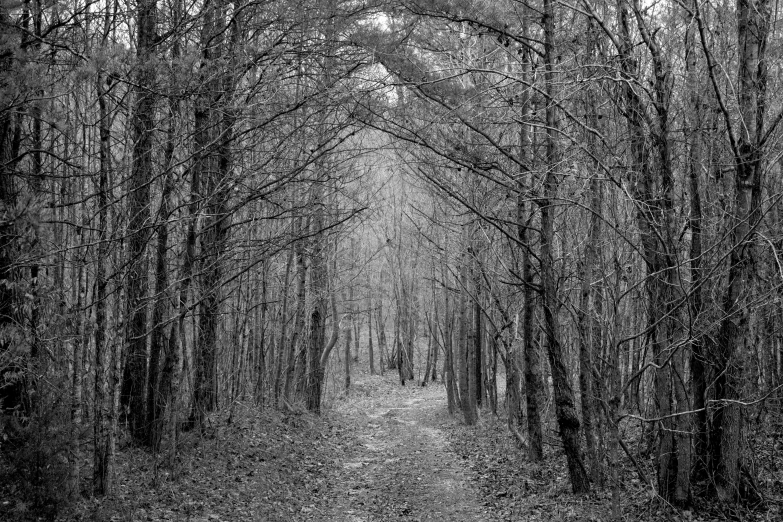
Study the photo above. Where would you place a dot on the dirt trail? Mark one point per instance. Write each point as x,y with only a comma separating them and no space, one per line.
399,466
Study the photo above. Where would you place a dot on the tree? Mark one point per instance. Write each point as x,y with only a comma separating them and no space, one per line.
143,124
747,141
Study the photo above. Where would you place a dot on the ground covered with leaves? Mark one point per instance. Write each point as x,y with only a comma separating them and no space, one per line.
382,452
400,466
518,489
260,466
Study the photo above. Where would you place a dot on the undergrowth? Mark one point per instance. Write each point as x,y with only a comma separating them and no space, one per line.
519,489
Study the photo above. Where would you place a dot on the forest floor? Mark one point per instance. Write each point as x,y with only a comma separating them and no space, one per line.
383,452
400,465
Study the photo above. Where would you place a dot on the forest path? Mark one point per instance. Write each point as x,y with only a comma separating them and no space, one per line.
398,465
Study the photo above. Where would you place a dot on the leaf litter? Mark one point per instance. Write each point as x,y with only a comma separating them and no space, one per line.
381,453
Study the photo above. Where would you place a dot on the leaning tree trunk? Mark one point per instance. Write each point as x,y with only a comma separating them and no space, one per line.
565,409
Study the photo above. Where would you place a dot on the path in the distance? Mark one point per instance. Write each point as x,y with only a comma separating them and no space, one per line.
399,467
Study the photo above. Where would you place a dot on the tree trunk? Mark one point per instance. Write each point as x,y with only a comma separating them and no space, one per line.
492,379
216,166
259,346
9,152
176,355
319,283
369,339
381,327
74,461
449,377
533,383
565,410
734,336
143,123
588,330
430,344
478,337
102,464
159,343
294,357
348,342
435,350
466,348
652,191
283,347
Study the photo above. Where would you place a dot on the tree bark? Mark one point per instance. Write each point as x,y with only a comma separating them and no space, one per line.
102,463
283,347
294,357
734,338
698,362
143,123
478,337
348,342
370,347
319,283
214,137
565,410
466,373
159,344
653,184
